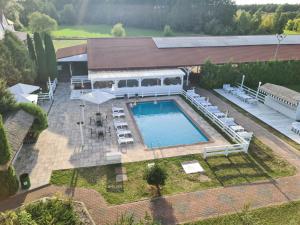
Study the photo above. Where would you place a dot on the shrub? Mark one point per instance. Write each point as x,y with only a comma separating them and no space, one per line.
5,151
168,32
156,176
118,30
9,183
128,219
7,100
40,122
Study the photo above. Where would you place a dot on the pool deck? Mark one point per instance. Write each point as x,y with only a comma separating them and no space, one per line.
274,119
59,146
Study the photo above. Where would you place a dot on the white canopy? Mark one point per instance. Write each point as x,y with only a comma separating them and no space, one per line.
26,98
97,97
23,88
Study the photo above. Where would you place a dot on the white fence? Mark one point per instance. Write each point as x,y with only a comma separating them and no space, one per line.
253,93
45,96
241,145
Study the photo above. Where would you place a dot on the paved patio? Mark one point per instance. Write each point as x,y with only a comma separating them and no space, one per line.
59,147
276,120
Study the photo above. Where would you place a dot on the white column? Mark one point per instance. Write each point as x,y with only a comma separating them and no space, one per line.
70,68
243,79
92,84
259,84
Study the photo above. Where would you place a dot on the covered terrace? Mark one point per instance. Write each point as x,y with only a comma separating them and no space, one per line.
138,82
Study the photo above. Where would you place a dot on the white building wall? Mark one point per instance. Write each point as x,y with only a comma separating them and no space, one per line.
282,108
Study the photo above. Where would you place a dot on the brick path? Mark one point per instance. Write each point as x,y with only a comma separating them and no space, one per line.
190,206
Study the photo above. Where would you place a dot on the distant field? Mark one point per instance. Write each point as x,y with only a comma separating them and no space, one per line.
67,43
91,31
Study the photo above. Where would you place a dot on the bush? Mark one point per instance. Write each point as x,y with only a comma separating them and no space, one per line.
41,23
40,122
5,151
9,183
276,72
156,176
130,220
168,32
118,30
7,100
51,211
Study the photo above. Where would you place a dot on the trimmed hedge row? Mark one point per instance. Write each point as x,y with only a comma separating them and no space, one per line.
276,72
40,122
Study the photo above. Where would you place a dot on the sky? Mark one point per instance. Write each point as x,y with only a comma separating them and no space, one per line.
244,2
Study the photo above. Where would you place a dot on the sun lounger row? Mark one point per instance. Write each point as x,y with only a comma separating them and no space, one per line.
124,135
296,127
239,93
227,121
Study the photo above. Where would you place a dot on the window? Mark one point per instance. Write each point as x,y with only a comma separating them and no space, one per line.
103,84
128,83
151,82
172,81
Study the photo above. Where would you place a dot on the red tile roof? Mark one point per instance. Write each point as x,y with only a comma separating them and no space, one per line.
142,53
71,51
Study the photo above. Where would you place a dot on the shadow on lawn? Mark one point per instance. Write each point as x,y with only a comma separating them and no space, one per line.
162,211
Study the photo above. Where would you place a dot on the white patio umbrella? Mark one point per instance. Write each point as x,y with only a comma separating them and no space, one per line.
23,88
97,97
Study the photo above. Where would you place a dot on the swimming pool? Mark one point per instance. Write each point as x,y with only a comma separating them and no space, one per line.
163,124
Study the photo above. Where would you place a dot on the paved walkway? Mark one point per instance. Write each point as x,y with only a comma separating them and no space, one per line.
196,205
273,118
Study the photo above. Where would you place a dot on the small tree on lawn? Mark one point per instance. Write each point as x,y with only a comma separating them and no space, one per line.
5,152
156,176
168,32
50,56
118,30
41,23
31,48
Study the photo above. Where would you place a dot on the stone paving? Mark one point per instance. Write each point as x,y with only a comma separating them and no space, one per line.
59,146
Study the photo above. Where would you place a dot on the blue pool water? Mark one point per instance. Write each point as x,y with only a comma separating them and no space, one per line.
163,124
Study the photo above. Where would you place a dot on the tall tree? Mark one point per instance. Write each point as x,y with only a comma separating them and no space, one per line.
5,152
68,15
41,23
31,48
50,56
7,101
41,59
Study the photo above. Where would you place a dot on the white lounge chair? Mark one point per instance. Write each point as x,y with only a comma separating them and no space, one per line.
227,88
123,133
237,128
118,114
125,140
296,127
252,101
117,109
219,114
246,135
228,121
120,124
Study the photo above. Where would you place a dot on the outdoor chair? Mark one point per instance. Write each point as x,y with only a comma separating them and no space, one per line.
125,140
118,114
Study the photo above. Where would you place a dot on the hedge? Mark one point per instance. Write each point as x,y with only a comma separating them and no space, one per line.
5,151
276,72
40,122
9,183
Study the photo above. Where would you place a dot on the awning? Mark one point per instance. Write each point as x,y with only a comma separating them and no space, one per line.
75,58
133,74
97,97
23,88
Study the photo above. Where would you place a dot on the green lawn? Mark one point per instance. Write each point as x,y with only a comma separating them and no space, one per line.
285,214
92,31
260,164
67,43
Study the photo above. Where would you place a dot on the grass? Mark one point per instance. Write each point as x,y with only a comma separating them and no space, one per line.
291,32
266,126
287,214
93,31
67,43
241,168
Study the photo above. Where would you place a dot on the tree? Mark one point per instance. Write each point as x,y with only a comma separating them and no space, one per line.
156,176
168,32
243,22
118,30
7,101
5,151
15,62
50,56
41,23
68,15
31,48
41,59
